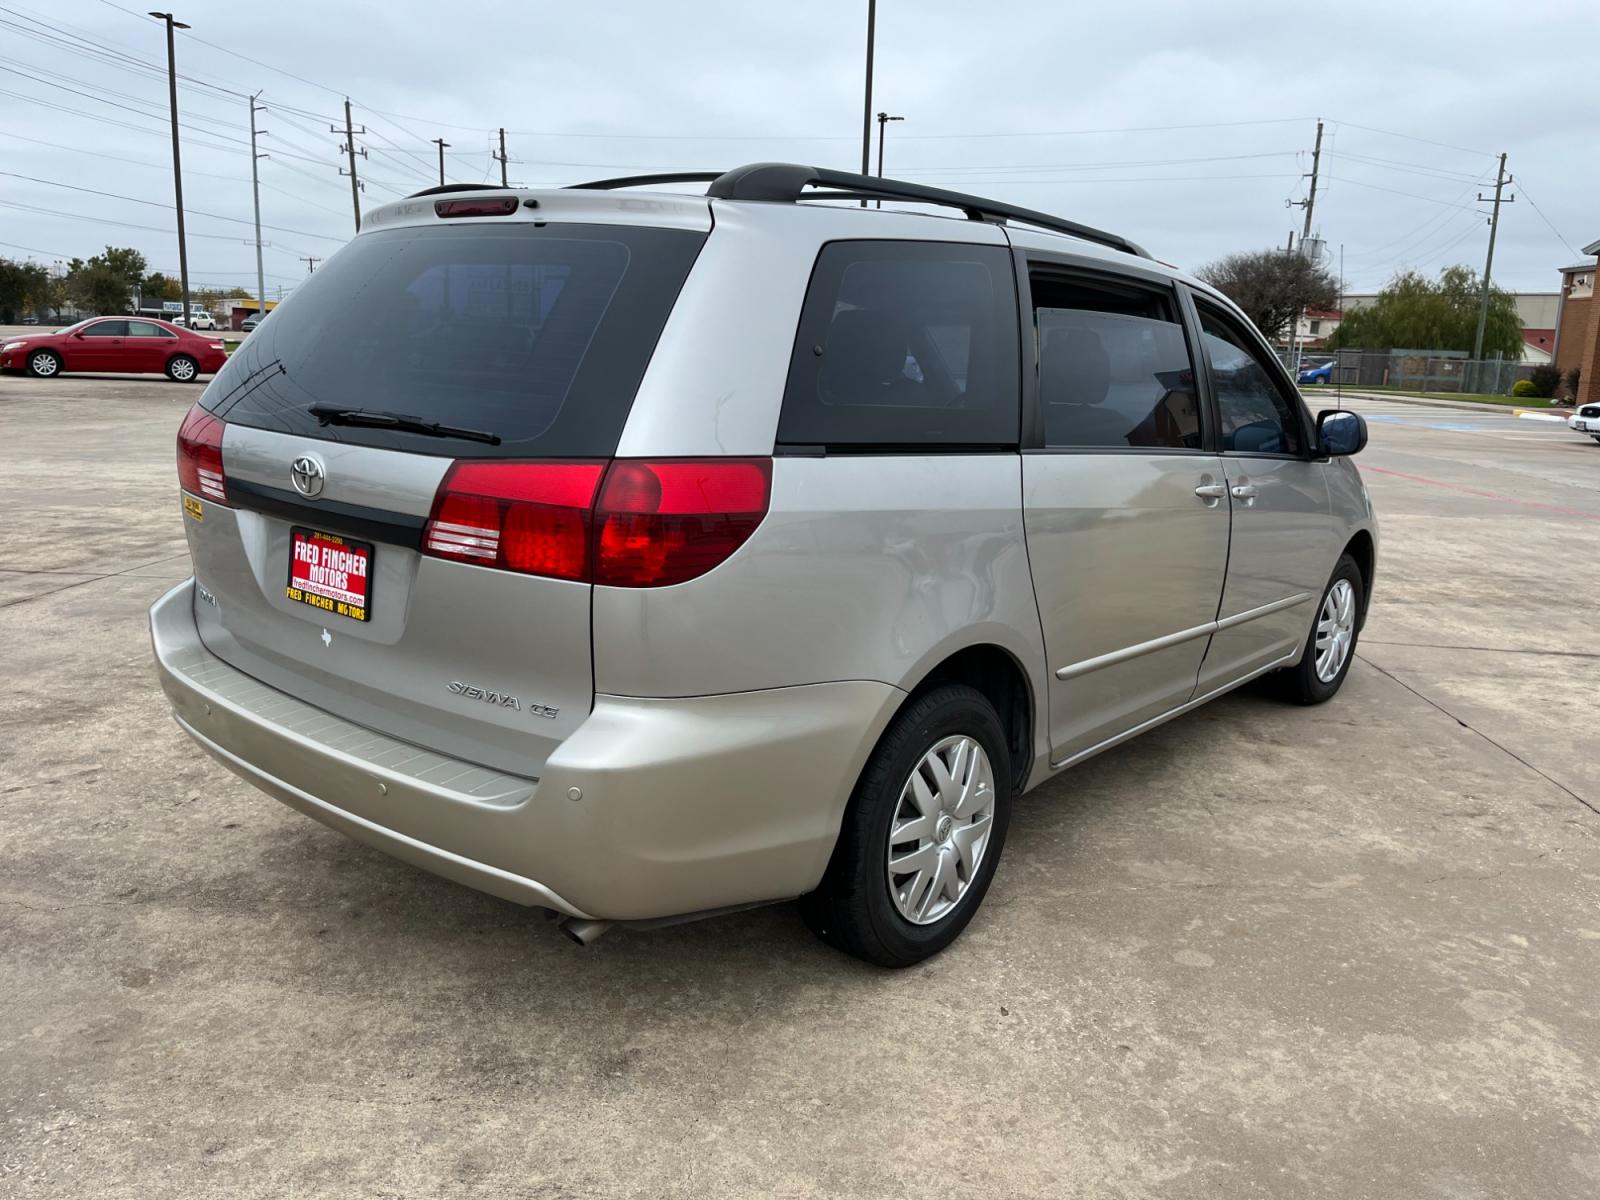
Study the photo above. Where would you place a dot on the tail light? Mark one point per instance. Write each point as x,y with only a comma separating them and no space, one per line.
200,456
530,517
659,523
648,524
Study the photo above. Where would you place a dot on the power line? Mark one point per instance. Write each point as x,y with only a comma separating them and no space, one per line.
159,204
1575,252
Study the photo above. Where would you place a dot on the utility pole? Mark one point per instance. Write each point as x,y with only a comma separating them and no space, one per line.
1310,202
349,148
1500,181
883,123
502,157
443,146
255,190
311,265
177,157
866,105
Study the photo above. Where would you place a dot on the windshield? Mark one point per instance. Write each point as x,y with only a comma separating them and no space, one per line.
538,334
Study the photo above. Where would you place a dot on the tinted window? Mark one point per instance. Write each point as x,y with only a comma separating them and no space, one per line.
1114,367
537,334
905,344
1257,416
146,329
107,329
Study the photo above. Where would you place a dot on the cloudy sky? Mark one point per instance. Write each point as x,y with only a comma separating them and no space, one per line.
1184,125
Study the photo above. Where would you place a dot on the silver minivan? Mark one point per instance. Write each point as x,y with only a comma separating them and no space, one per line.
642,556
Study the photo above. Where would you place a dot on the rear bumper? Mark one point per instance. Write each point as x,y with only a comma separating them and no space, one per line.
684,805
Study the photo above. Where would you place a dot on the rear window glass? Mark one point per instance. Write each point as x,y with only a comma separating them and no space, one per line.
538,335
905,344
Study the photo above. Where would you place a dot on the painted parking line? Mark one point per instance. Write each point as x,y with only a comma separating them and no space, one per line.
1456,487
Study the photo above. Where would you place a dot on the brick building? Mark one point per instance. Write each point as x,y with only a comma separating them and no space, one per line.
1578,327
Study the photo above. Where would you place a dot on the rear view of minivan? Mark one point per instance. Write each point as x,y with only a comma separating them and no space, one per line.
644,556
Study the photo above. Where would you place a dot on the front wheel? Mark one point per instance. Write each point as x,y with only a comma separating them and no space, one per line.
922,834
44,364
182,369
1331,645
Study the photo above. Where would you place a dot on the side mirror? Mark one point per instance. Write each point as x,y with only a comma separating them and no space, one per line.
1340,433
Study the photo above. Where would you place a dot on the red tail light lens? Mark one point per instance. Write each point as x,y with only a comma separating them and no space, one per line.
498,206
529,517
659,523
200,456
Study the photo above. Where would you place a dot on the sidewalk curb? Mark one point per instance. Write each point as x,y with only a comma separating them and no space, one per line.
1468,405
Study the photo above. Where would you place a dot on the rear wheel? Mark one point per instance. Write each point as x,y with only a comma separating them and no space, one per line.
1331,645
182,369
46,364
922,835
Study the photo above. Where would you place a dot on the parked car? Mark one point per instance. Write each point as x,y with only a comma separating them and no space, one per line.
1318,374
135,345
252,321
609,555
1586,420
198,320
30,320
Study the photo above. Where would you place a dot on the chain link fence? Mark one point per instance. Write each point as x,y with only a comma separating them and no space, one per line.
1439,372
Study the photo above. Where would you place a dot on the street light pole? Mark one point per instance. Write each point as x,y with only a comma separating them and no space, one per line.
255,191
442,144
177,156
883,123
866,104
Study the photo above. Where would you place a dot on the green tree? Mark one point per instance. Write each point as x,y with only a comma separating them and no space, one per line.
23,287
106,283
1272,286
1417,313
158,287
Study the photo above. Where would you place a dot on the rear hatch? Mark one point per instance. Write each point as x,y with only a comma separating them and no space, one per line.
498,353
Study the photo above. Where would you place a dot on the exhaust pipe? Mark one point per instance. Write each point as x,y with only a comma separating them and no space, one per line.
584,931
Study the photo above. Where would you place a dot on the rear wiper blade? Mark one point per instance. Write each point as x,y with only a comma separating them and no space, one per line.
331,414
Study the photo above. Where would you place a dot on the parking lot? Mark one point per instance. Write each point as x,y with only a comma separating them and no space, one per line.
1262,951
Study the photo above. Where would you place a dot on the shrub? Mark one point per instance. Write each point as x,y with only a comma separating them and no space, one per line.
1573,377
1524,388
1545,379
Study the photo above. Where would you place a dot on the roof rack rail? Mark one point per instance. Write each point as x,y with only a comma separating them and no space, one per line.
442,188
787,183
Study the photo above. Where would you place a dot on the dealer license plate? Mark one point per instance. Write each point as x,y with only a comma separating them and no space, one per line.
330,572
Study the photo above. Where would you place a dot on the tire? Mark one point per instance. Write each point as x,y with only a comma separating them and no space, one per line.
182,369
44,364
854,909
1304,682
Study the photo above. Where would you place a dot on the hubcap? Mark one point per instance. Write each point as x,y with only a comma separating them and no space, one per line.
44,364
940,829
183,369
1336,630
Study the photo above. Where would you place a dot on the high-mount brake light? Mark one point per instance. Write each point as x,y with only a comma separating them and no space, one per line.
529,517
666,521
496,206
200,456
630,523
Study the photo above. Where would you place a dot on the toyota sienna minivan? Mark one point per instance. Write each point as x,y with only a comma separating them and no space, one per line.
643,556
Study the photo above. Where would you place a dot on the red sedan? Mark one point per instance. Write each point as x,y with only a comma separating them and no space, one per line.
134,345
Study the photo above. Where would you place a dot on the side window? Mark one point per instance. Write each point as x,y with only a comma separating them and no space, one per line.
1114,367
906,344
144,329
1257,416
107,329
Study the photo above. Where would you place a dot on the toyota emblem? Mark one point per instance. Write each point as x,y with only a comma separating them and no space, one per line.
308,475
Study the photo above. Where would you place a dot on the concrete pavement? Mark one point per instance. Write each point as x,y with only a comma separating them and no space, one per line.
1349,951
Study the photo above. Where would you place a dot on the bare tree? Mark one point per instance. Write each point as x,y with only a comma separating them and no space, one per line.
1272,286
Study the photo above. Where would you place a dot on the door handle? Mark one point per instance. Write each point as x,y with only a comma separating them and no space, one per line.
1211,491
1245,491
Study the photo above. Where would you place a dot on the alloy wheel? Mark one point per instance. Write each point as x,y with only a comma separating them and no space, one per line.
44,365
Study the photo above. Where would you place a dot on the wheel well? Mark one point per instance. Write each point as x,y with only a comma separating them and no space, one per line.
996,674
1361,549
